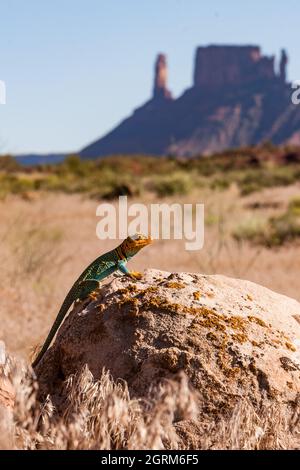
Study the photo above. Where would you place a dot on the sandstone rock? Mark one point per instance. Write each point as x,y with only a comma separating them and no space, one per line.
236,100
282,65
232,338
160,89
218,66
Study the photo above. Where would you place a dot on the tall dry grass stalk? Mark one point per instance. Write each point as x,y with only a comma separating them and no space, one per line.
97,415
102,415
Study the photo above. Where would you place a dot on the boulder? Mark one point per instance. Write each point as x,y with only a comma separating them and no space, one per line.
233,339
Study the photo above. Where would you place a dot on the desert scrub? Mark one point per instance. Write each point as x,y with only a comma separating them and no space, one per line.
13,184
251,229
252,169
221,183
283,229
254,180
176,184
294,206
274,232
9,164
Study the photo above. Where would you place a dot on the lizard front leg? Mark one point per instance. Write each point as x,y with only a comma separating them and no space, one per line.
135,275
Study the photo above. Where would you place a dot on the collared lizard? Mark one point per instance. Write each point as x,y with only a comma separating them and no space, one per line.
89,280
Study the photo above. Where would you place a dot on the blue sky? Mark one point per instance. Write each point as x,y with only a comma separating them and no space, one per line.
75,68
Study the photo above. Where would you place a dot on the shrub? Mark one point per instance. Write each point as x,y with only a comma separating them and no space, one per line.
12,184
276,231
283,229
178,183
294,206
252,230
255,180
9,163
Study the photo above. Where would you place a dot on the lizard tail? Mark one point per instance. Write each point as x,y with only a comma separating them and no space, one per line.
57,322
34,351
45,345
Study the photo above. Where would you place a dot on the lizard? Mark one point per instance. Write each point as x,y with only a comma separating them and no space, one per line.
89,280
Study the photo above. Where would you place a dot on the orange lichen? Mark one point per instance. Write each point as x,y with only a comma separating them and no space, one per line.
258,321
224,361
161,304
131,306
197,295
290,346
150,289
129,289
236,322
240,337
211,336
175,285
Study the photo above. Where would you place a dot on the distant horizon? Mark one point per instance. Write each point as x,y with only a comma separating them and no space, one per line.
76,151
73,70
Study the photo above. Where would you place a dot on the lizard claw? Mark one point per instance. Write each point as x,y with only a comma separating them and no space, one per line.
93,295
135,275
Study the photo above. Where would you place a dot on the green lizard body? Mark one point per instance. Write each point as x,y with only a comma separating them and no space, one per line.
89,280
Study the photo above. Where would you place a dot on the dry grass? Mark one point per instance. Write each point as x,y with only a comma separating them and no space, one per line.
97,415
47,242
101,415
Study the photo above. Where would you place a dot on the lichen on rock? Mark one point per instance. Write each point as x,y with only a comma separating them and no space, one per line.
240,341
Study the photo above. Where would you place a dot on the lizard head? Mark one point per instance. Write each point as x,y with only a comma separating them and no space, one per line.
134,243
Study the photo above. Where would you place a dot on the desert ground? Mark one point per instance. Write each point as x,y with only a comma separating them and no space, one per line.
48,239
48,236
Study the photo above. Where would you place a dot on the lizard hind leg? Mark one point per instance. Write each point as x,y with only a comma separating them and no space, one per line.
87,287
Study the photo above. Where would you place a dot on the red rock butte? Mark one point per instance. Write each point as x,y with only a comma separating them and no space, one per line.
217,66
160,89
239,97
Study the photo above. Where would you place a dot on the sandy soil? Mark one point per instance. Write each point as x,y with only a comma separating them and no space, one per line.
46,243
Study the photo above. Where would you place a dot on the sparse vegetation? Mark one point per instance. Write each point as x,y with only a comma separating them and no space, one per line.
102,415
175,184
251,169
47,236
275,231
98,415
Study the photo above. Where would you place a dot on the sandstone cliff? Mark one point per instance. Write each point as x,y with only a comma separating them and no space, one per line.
237,99
160,90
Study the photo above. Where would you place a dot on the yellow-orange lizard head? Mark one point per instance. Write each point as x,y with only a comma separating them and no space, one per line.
134,243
